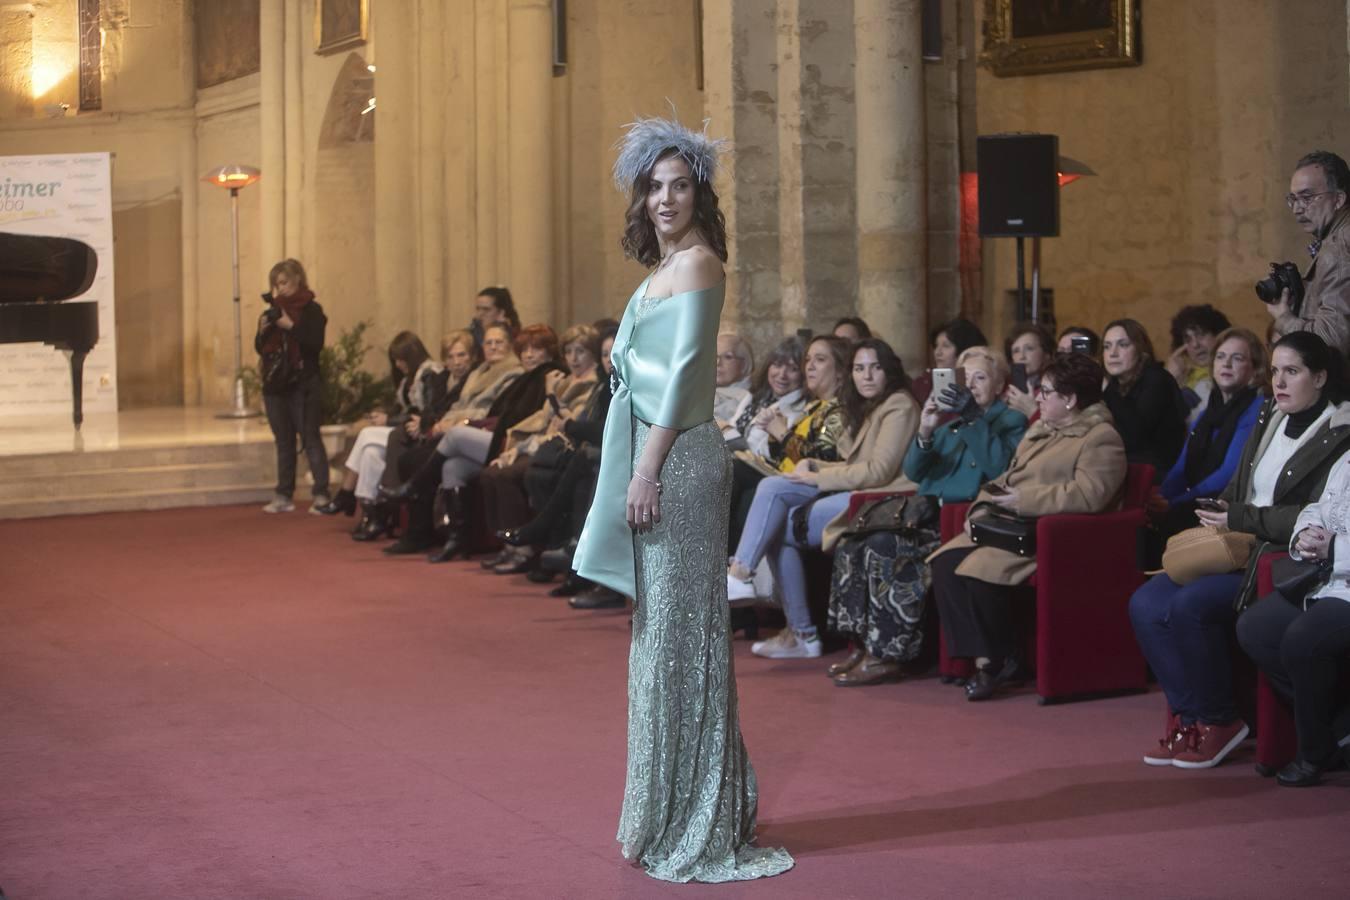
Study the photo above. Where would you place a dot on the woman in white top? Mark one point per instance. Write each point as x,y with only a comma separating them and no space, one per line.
775,403
1185,630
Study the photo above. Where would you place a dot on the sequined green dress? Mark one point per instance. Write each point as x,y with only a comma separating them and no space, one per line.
690,796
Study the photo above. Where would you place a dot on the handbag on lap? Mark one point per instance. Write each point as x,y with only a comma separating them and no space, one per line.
1005,531
1206,550
903,513
1297,579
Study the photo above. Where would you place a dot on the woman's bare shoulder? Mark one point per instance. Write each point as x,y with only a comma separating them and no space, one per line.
696,268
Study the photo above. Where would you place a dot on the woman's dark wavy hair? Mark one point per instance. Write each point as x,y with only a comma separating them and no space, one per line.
1318,357
639,234
1202,317
963,334
858,323
501,298
857,408
789,350
409,348
1077,374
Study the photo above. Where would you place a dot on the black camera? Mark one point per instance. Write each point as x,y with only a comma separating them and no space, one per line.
272,314
1283,276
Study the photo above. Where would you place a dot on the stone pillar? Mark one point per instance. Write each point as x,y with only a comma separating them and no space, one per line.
816,208
891,177
431,89
297,36
741,99
395,305
530,158
272,126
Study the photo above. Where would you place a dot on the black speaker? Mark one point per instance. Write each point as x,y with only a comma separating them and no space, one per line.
1019,185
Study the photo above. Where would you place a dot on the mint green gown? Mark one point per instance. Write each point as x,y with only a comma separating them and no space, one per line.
690,797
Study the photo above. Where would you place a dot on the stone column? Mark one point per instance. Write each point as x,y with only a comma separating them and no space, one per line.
816,208
395,305
530,158
297,37
891,177
741,99
272,127
431,90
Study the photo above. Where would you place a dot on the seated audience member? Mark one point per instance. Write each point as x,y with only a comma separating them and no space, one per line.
735,362
789,513
482,387
463,450
949,341
775,403
503,481
1303,646
1066,342
1184,630
1031,347
1145,402
1071,461
1194,333
814,436
878,588
852,329
1210,455
493,306
421,385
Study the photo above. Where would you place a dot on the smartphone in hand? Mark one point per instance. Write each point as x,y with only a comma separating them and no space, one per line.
1208,504
993,487
1018,376
942,379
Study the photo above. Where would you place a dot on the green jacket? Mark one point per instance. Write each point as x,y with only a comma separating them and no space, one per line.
964,456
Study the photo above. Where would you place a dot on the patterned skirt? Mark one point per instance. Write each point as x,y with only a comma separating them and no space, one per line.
878,589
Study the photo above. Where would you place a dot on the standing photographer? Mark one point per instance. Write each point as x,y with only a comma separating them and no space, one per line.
1317,197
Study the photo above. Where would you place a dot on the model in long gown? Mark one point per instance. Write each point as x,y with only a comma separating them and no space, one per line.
690,796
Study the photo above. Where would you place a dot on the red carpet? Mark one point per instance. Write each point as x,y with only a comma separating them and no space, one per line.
218,703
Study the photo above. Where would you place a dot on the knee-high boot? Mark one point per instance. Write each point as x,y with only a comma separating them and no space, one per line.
456,527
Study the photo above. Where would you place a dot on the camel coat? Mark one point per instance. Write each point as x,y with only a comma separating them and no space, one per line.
1079,468
482,388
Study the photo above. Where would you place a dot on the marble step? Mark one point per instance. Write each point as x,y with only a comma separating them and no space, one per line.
98,460
258,493
137,480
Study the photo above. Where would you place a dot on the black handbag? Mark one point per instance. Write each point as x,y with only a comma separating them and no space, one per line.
905,513
1004,531
1295,579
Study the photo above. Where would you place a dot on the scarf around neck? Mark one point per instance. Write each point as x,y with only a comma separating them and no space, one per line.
1213,433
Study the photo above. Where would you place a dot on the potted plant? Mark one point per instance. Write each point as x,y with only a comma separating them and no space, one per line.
350,393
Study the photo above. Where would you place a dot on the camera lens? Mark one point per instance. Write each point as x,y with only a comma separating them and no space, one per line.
1268,289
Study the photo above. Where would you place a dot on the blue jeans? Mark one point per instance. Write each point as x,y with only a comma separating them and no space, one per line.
1185,631
768,532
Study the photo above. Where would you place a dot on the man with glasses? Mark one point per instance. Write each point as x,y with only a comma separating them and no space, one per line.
1317,197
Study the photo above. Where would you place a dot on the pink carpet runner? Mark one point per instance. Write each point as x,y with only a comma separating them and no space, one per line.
218,703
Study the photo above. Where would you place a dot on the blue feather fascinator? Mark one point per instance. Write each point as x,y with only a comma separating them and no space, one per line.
647,139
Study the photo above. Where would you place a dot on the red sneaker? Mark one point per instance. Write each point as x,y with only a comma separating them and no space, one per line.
1176,739
1212,743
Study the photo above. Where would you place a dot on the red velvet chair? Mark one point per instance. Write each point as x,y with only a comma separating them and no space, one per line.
1276,738
1085,574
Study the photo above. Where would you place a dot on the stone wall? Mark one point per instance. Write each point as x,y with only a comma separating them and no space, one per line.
1193,151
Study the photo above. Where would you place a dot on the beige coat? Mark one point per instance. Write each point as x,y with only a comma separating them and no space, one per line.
572,394
871,459
1079,468
482,388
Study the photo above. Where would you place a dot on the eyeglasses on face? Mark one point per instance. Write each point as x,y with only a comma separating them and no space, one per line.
1305,199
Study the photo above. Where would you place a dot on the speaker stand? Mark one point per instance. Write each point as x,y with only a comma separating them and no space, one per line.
1021,274
1036,279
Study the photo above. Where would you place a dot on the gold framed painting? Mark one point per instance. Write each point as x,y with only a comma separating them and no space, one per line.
1030,37
339,24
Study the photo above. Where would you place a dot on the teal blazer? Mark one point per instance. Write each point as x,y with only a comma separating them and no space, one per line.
665,373
965,456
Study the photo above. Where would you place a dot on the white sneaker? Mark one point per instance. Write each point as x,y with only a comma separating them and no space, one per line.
316,501
280,504
787,644
739,591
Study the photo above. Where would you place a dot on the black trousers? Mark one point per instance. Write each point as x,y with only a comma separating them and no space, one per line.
563,512
422,505
977,617
504,494
1302,654
297,412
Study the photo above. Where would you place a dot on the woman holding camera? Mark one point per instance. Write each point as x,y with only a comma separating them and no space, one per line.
1071,461
1032,348
946,343
290,337
1185,630
880,580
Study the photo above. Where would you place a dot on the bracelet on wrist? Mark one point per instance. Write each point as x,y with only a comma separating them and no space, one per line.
655,484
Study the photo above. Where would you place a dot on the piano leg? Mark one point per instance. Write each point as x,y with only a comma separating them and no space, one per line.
77,385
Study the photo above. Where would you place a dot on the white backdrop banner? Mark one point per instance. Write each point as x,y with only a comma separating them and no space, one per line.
61,195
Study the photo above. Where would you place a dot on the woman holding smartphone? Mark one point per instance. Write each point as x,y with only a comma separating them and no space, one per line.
1185,630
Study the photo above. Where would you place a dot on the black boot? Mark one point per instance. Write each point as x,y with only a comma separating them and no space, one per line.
456,528
423,480
374,522
344,501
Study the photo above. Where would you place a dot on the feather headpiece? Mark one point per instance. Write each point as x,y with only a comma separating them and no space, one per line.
647,139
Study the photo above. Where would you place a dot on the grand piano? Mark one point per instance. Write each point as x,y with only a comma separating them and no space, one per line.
36,274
